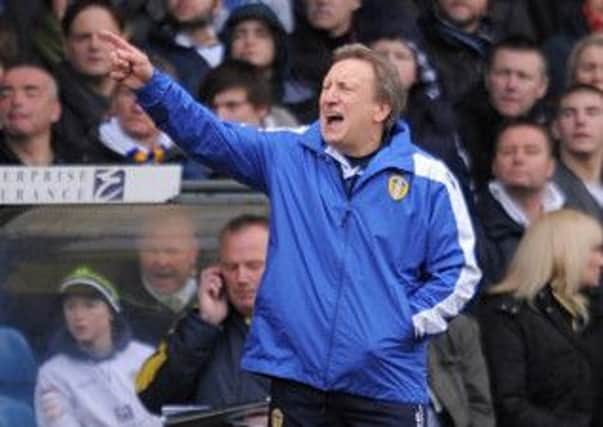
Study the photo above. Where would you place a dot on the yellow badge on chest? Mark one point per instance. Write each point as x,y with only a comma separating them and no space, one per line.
276,418
398,187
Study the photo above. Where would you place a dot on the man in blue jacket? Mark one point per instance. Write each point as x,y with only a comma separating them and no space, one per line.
370,251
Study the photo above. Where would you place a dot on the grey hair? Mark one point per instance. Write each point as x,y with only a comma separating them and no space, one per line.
388,88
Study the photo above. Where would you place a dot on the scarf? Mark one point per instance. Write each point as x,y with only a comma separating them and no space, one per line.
113,137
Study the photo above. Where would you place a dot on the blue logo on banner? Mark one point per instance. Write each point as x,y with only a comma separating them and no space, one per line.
109,185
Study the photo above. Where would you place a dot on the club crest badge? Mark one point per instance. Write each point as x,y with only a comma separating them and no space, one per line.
398,187
276,418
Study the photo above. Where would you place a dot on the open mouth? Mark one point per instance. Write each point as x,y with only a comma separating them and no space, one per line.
334,119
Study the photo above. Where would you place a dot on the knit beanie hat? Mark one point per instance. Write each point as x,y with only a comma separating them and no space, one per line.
83,280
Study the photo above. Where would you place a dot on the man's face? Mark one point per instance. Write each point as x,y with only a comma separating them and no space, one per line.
579,124
403,58
333,16
523,159
350,114
515,81
86,52
252,41
29,103
233,105
168,252
131,116
242,262
464,14
589,67
192,10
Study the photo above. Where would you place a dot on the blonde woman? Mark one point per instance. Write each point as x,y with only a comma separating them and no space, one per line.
537,325
585,63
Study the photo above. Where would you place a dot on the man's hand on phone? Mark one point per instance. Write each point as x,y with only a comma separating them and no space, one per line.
213,306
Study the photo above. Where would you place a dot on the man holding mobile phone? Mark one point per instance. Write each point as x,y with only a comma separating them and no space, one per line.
199,361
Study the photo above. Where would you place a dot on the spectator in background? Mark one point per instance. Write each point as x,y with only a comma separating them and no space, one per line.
253,33
283,9
458,36
537,326
579,129
188,39
580,19
458,377
515,82
236,92
585,63
47,36
133,136
29,107
521,191
90,379
84,81
199,361
165,283
321,27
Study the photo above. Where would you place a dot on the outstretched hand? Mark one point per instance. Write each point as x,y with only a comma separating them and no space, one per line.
129,65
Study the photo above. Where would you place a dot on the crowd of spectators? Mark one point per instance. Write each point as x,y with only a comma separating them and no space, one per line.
507,93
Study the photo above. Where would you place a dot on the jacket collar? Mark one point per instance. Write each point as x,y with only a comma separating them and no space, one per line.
395,154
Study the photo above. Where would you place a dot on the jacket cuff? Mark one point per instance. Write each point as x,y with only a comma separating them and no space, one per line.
151,93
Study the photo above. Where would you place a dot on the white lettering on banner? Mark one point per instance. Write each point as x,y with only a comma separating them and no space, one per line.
88,184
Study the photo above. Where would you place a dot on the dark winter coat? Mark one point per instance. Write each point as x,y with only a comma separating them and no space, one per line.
501,235
202,365
539,366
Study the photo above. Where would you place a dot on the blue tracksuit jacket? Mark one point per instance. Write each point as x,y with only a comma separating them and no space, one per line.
354,281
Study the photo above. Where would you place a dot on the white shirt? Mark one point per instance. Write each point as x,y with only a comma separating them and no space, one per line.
213,54
552,200
596,190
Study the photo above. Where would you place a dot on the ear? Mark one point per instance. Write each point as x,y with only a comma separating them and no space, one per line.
544,85
56,111
551,169
381,112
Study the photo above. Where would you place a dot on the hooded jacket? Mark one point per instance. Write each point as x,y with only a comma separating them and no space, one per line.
354,280
89,391
261,12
